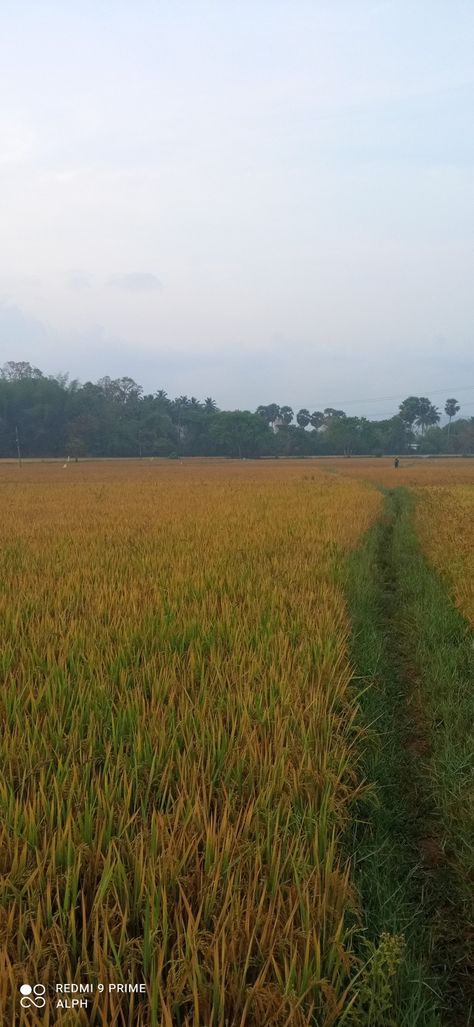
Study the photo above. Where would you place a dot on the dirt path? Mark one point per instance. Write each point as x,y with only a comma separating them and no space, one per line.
434,874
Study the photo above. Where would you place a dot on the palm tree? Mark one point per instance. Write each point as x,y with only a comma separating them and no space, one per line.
286,415
427,414
303,417
178,405
317,419
452,407
270,413
331,414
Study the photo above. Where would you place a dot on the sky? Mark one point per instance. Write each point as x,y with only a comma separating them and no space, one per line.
261,201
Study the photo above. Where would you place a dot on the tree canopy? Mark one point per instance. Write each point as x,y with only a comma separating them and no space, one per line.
53,416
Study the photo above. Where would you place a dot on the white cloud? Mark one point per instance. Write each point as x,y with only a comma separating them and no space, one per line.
297,178
80,279
135,281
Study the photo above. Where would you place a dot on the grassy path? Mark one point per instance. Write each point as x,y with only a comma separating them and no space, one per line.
414,861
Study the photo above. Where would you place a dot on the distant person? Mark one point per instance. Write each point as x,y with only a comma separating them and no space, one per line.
396,462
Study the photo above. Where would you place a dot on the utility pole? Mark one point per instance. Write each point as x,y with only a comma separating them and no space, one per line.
18,449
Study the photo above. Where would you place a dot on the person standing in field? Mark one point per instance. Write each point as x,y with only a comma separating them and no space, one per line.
396,462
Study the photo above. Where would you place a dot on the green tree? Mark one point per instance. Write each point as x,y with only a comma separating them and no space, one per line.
269,413
303,417
451,408
409,410
120,390
240,433
317,419
16,370
112,417
427,415
433,441
392,435
330,415
286,415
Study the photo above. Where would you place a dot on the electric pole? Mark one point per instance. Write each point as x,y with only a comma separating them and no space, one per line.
18,448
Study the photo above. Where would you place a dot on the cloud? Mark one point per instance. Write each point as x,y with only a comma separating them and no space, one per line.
80,280
136,281
17,142
20,329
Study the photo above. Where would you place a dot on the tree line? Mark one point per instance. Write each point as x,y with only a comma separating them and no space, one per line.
54,416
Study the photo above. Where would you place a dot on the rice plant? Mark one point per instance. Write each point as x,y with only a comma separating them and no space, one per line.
181,745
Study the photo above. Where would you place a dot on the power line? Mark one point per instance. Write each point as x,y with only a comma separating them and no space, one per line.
385,399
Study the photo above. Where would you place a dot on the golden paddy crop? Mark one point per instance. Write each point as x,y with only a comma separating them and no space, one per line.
181,746
413,471
445,523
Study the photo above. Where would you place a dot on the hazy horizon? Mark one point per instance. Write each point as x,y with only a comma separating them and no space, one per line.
263,202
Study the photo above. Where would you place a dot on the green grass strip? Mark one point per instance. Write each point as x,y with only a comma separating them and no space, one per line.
413,843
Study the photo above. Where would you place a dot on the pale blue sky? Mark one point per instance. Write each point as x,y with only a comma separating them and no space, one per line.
261,201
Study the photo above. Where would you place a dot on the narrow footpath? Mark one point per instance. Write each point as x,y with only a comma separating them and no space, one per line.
413,653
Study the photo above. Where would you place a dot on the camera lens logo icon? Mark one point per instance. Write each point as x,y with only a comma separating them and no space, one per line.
32,996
